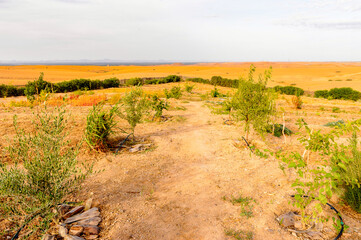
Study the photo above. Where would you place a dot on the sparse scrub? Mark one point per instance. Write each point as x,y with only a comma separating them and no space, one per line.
215,93
339,93
99,126
48,172
297,101
253,103
175,92
158,105
134,106
188,88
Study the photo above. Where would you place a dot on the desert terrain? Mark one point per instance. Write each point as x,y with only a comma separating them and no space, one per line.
308,75
182,188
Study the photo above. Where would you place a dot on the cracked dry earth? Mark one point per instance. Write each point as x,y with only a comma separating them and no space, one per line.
181,189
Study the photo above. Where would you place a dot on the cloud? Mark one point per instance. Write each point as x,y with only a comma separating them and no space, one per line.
324,24
339,5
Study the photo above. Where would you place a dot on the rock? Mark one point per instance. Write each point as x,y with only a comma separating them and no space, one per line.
70,237
64,208
91,221
48,237
93,212
76,230
287,219
91,237
63,231
139,147
298,225
314,235
74,211
91,230
88,204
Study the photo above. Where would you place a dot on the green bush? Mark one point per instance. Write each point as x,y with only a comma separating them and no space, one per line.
339,93
175,92
188,88
289,90
254,103
99,125
215,93
158,105
135,106
277,130
199,80
36,87
134,82
172,78
11,91
321,94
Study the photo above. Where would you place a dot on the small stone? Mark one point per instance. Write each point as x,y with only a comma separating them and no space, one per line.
48,237
74,211
76,230
70,237
91,230
287,219
64,208
88,204
93,212
91,221
91,237
63,231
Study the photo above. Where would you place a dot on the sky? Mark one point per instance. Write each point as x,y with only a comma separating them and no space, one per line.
180,30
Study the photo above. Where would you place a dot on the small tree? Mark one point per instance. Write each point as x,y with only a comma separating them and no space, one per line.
158,105
253,103
134,107
36,87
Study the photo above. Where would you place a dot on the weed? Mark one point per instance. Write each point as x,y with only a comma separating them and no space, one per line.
246,206
158,105
239,235
336,110
215,93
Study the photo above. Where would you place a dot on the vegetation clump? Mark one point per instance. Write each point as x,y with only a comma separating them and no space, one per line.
253,103
289,90
175,92
100,124
134,107
339,93
45,169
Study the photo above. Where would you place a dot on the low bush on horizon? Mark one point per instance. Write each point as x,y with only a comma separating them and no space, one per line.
339,93
289,90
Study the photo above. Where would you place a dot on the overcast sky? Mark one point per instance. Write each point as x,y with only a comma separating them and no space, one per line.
181,30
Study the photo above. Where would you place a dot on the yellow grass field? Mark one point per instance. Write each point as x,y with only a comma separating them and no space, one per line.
307,75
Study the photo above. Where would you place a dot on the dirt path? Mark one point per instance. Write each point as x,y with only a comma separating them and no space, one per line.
178,191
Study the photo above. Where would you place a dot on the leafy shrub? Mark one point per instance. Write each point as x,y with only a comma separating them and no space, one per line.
278,129
11,91
215,93
49,163
99,125
172,78
199,80
175,92
35,87
188,88
289,90
134,107
321,94
134,82
339,93
110,83
253,103
158,105
334,167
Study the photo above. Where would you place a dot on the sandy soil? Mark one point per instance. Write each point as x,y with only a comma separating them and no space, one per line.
182,188
308,75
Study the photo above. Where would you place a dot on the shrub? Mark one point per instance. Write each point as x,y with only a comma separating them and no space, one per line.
289,90
134,82
321,94
172,78
199,80
336,110
278,130
175,92
253,103
134,107
188,88
158,105
297,101
35,87
99,125
110,83
335,166
215,93
49,163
